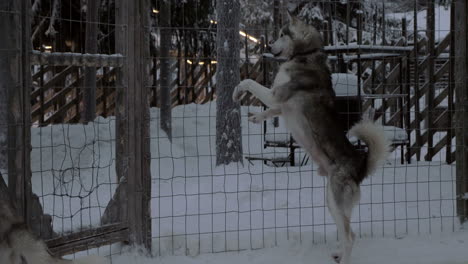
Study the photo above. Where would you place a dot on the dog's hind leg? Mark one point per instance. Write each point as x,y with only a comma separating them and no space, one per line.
262,93
340,201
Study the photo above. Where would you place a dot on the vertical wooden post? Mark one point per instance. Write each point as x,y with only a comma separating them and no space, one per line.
41,97
406,88
359,27
451,87
417,95
384,24
330,24
404,33
11,87
430,33
165,79
461,107
15,80
133,117
348,20
384,91
91,45
359,65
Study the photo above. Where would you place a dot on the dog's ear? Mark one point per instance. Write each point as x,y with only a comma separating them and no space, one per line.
292,19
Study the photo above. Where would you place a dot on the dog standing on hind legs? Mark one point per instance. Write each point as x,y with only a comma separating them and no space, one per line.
302,93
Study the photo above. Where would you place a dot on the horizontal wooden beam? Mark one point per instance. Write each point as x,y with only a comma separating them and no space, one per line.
368,48
76,59
86,239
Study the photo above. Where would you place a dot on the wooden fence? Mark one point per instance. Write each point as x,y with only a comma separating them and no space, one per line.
53,93
59,99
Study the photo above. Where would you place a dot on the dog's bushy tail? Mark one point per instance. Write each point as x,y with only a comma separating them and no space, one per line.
377,143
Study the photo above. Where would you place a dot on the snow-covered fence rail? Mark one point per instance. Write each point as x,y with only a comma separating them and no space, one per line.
76,59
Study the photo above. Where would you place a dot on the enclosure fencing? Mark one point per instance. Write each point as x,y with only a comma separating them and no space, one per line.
109,128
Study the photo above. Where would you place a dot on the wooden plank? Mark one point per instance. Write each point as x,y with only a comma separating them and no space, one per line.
367,48
443,45
91,47
461,106
451,86
418,141
41,72
15,81
133,118
440,122
429,97
88,239
60,77
425,87
58,116
76,59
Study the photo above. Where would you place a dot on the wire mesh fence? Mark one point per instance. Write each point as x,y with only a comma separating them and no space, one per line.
123,117
276,194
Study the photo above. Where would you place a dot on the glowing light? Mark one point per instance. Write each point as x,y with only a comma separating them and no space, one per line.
201,62
155,11
242,33
253,39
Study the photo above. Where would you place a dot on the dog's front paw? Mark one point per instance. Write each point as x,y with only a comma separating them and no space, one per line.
255,118
239,89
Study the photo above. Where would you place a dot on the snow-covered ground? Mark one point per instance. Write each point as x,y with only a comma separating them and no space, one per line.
424,249
198,207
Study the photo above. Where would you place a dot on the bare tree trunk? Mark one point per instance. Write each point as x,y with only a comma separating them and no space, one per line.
89,92
228,129
165,70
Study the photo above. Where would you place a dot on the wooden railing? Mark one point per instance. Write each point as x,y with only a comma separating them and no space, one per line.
59,99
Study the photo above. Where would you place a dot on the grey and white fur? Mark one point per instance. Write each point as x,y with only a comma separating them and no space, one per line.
302,93
19,246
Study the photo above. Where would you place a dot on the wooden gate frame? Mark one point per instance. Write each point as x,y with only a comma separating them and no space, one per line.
132,197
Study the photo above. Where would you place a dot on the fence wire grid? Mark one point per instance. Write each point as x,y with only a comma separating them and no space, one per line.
394,57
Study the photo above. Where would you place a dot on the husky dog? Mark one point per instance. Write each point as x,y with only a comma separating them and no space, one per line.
302,93
19,246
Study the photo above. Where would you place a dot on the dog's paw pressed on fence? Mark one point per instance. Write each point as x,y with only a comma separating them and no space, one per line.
237,94
254,118
240,88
